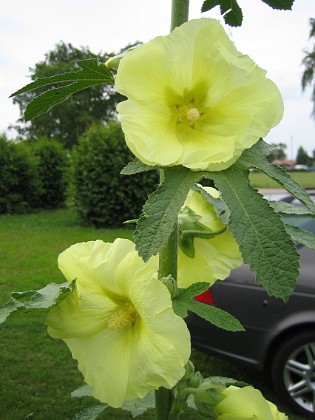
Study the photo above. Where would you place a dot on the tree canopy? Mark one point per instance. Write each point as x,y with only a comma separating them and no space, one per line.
278,152
70,119
308,76
302,157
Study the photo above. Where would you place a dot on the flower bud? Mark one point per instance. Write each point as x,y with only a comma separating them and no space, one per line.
206,399
195,380
189,370
113,62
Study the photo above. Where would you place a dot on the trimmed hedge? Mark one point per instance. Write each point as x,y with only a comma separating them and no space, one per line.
19,182
53,165
32,175
103,197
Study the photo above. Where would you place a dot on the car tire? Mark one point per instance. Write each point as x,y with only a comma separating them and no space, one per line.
293,372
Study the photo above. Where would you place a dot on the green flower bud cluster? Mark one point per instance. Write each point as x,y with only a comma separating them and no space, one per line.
220,398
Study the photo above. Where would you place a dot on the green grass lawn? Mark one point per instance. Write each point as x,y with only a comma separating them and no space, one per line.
37,372
304,178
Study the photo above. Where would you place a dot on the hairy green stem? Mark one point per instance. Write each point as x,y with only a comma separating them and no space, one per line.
163,403
168,255
180,10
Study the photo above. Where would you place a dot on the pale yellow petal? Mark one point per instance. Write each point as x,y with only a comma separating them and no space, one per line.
79,315
246,403
150,132
195,67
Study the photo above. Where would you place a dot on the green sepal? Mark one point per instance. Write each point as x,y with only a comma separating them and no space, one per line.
187,246
189,228
206,400
263,240
161,209
91,73
41,299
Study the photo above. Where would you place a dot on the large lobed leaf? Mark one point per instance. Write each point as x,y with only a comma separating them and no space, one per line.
264,242
160,211
229,9
256,157
44,298
232,13
91,73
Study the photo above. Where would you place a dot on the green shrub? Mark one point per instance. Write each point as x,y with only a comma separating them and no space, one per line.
53,173
103,197
20,186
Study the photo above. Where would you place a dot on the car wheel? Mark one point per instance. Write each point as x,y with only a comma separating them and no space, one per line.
293,372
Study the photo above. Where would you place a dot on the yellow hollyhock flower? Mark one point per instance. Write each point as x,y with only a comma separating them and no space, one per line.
193,99
119,322
207,250
246,404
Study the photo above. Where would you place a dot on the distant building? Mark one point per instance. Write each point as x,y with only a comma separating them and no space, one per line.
285,163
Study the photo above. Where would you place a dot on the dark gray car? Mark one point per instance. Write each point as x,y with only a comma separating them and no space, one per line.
279,338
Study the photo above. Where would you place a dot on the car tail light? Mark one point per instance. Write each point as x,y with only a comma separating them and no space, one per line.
205,297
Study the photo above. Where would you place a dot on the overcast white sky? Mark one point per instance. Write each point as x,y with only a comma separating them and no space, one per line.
274,39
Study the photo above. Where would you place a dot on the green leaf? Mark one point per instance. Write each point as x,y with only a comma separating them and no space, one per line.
288,208
135,407
83,391
301,236
256,157
223,380
136,167
216,316
180,308
91,413
219,205
44,298
280,4
140,405
232,15
210,4
186,295
230,10
264,242
91,73
185,301
160,211
189,413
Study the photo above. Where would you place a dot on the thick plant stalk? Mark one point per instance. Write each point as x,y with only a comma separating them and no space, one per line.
168,256
180,10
